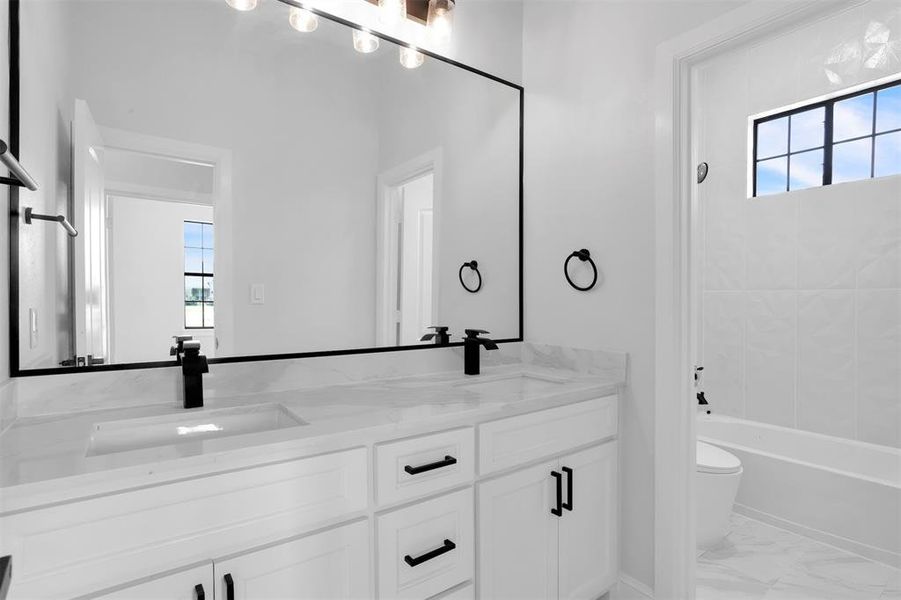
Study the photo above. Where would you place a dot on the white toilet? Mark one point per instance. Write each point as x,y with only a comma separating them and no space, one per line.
719,473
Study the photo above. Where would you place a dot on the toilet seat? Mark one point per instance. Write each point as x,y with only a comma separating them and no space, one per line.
711,459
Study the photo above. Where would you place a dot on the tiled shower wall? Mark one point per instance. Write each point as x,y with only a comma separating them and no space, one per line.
801,291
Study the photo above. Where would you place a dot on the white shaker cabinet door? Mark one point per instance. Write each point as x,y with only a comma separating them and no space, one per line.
588,559
191,584
518,535
332,565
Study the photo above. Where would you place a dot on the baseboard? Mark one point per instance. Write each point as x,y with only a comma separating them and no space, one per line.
636,585
871,552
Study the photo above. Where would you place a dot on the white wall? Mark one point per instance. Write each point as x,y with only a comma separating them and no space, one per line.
588,70
802,291
474,124
488,35
300,208
147,276
328,221
46,110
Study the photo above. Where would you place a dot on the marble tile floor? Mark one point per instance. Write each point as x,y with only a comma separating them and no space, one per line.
757,561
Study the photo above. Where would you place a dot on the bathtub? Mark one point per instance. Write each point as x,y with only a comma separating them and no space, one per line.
841,492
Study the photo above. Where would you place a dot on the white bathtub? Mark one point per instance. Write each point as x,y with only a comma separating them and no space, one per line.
842,492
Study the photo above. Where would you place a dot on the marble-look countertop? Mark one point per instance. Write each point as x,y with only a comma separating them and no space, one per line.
46,459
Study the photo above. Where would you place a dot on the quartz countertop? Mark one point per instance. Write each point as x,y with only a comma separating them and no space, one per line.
46,459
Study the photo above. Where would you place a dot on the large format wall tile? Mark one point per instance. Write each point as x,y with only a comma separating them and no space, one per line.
773,73
770,357
771,242
724,322
879,366
827,241
878,233
826,378
724,232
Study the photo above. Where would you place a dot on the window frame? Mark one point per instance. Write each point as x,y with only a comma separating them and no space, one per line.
201,275
828,135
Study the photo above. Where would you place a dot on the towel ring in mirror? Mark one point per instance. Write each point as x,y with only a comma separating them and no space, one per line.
583,255
474,265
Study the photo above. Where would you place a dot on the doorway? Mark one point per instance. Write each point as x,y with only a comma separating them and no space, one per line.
678,272
407,272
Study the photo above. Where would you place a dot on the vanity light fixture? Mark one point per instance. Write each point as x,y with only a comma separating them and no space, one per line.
411,57
303,20
392,12
440,22
365,42
243,5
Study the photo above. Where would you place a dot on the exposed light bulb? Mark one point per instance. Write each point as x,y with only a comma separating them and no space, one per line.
411,57
303,20
365,42
440,22
243,5
392,12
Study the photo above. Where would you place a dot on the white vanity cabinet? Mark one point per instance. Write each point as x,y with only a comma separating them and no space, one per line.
441,515
528,551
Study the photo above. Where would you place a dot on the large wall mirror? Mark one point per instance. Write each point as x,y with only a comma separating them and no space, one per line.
266,191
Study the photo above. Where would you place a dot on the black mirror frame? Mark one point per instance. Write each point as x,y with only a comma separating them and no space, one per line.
14,206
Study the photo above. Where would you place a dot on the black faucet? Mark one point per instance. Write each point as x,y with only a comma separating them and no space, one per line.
193,366
179,348
471,344
441,336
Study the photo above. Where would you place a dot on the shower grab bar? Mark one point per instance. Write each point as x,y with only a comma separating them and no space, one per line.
21,177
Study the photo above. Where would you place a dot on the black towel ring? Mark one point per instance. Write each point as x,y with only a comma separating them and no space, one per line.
474,265
583,255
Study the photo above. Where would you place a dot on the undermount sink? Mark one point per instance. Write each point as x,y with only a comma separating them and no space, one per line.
149,432
525,384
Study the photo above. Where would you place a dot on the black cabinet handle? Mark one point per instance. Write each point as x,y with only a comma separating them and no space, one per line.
448,461
198,592
558,510
568,505
447,547
229,587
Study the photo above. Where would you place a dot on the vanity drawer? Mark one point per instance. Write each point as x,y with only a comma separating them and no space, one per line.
419,466
426,548
511,442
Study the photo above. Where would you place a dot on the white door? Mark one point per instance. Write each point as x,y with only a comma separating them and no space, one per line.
518,535
416,252
89,283
588,560
333,565
177,586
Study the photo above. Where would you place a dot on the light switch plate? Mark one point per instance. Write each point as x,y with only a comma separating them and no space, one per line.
32,328
257,293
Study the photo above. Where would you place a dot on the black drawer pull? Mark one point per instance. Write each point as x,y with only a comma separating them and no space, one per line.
558,510
447,547
198,592
229,587
448,461
568,505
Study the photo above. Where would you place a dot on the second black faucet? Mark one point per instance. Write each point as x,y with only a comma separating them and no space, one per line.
471,344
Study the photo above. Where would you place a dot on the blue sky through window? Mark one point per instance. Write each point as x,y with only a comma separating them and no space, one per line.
865,142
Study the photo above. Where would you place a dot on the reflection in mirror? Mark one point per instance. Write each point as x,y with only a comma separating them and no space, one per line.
262,189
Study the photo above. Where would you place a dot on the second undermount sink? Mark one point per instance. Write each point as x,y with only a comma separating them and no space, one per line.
150,432
520,383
